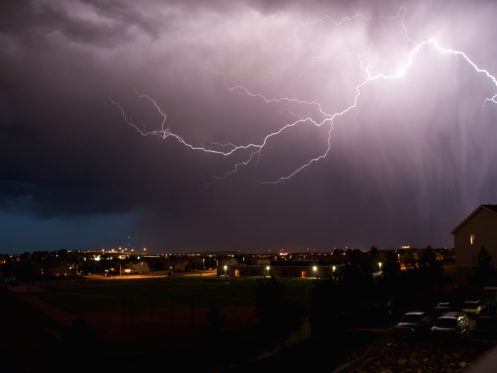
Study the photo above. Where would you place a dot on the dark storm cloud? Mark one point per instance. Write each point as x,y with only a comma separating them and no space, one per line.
33,19
412,160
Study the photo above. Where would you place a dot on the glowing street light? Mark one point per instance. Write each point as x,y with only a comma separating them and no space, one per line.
334,269
268,268
380,264
315,270
225,269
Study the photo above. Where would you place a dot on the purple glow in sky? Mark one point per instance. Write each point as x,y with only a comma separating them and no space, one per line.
264,124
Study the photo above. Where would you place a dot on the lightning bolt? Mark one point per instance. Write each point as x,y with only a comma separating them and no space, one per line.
165,133
401,72
244,91
326,120
492,99
358,16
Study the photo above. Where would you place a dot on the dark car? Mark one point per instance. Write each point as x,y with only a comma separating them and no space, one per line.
413,324
486,320
452,324
472,307
441,308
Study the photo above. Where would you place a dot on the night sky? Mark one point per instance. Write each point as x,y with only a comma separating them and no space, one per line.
406,164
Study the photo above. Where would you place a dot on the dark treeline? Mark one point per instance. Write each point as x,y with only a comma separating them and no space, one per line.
65,264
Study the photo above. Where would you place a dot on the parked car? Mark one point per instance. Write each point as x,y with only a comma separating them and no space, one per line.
441,308
486,320
413,323
472,307
452,324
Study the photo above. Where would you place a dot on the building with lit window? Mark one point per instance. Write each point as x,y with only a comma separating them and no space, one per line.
295,269
478,230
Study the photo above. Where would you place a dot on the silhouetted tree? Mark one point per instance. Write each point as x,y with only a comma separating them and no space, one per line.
328,317
278,316
430,264
484,271
358,260
374,258
326,314
214,327
391,267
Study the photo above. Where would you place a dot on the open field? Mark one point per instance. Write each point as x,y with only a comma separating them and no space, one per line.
179,307
98,296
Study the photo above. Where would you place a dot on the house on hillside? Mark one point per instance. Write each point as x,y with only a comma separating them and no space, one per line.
478,230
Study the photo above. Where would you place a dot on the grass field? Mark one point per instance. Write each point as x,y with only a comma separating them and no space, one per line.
97,296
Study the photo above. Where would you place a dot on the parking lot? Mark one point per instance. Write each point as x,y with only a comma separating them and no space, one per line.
474,319
446,337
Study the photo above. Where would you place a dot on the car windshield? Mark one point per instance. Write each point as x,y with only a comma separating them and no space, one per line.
471,304
446,323
413,318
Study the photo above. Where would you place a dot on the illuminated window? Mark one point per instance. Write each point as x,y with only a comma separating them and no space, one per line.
472,239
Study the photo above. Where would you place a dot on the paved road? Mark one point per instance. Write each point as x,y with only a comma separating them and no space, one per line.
195,274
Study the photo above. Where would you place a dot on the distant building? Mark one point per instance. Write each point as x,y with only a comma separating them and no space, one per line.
230,262
478,230
263,261
138,268
296,269
181,265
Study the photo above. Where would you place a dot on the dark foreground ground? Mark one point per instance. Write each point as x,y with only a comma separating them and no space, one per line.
34,342
28,336
192,325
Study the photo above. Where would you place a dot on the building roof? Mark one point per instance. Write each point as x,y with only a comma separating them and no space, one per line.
489,207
